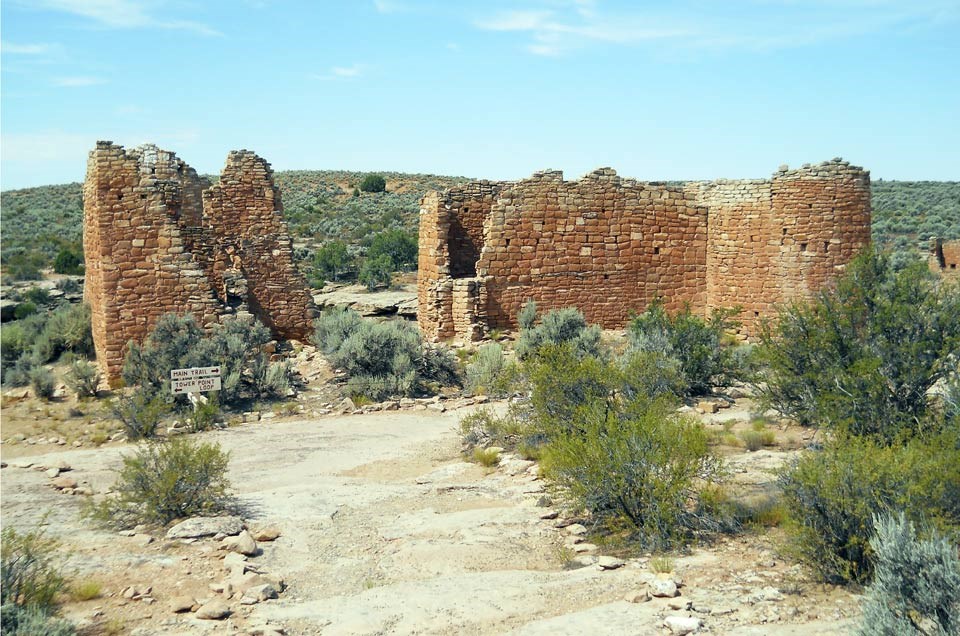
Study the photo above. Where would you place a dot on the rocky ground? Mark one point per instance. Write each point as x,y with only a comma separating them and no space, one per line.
381,528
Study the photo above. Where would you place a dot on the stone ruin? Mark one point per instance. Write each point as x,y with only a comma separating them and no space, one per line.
944,257
158,238
609,245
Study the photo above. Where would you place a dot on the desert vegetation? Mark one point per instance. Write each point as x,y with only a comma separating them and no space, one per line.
163,481
382,359
871,363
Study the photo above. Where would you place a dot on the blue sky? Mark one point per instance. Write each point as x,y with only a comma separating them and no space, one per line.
693,89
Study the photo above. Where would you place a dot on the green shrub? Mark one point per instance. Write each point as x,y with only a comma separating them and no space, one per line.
831,496
382,359
141,413
376,272
68,261
527,317
485,428
236,345
863,357
25,621
204,415
66,329
164,481
643,467
18,374
29,577
697,345
563,382
755,440
83,378
489,372
916,585
399,246
24,310
167,347
333,327
37,295
373,183
487,457
333,260
43,382
557,327
649,375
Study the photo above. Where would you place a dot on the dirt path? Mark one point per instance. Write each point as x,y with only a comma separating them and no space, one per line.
385,530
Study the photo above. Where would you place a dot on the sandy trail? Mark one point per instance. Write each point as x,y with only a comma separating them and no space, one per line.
386,530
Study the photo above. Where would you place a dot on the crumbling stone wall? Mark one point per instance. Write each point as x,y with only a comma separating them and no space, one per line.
944,258
609,246
155,241
451,233
252,248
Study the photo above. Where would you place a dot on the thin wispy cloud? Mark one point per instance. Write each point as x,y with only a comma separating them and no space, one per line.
388,6
125,14
342,72
553,33
12,48
78,81
556,27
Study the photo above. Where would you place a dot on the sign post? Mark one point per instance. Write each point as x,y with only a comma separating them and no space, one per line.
195,380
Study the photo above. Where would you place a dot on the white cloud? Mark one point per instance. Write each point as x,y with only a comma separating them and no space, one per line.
388,6
341,72
78,81
554,27
554,34
25,49
347,71
124,14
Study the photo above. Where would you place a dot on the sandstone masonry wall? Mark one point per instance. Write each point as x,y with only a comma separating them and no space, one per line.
252,248
944,258
603,244
609,246
155,242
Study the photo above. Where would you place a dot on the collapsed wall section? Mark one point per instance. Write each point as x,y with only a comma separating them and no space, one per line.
139,264
252,251
606,245
451,240
155,242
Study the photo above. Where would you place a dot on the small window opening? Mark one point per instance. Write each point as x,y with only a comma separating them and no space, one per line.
656,250
953,266
756,314
143,196
508,242
826,246
466,210
119,196
784,231
803,247
606,277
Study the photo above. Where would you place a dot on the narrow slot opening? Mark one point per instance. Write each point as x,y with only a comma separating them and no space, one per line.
803,247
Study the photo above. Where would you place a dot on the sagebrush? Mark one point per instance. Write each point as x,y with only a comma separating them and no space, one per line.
163,481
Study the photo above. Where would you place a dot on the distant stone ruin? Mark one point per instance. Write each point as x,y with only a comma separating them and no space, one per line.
158,238
944,258
609,246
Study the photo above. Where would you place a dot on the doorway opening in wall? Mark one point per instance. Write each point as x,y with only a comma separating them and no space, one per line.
463,245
